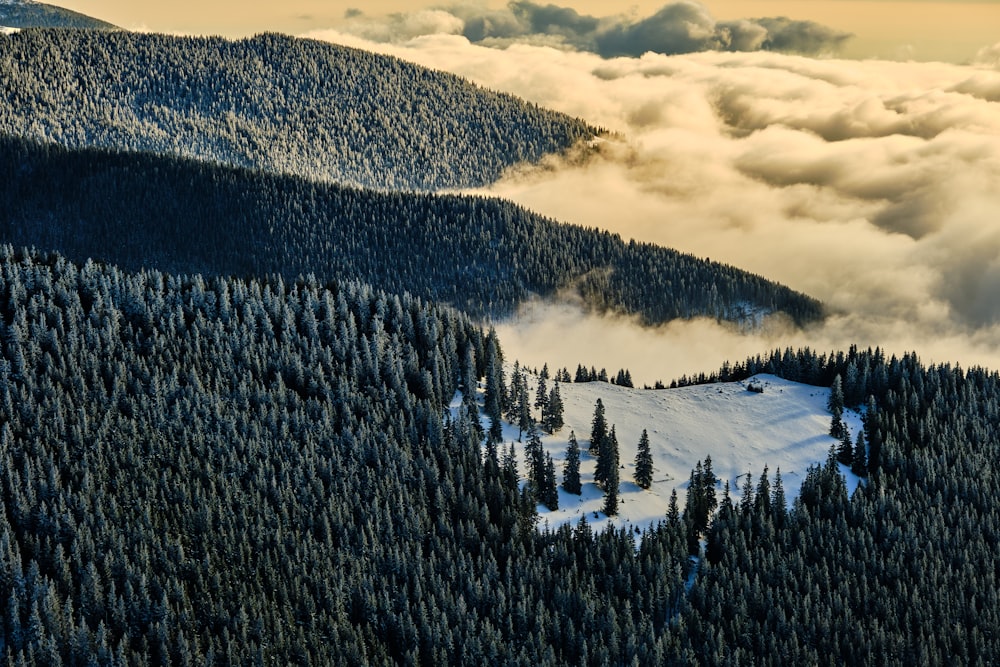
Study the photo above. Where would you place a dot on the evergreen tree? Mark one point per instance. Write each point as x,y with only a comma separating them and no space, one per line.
747,500
494,395
845,452
836,408
554,418
542,398
598,429
673,512
762,499
644,463
611,475
779,507
534,456
550,493
859,464
571,469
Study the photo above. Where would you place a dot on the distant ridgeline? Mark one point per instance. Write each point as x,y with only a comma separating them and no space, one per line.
482,255
24,14
274,103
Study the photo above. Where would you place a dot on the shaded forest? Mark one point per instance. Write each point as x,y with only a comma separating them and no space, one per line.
482,255
223,471
271,102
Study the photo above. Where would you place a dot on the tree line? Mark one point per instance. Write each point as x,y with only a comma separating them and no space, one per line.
484,256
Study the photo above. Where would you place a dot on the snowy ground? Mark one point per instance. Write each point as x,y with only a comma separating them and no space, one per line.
785,427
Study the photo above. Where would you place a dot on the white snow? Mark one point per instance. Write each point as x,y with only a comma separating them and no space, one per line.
784,427
4,30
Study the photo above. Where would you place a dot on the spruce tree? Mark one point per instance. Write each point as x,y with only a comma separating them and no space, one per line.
571,471
598,430
778,502
550,493
673,512
554,418
644,463
836,408
611,478
542,399
859,465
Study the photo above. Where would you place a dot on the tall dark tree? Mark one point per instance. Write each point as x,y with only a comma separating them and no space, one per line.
836,408
598,429
571,469
550,492
644,462
542,398
779,503
553,419
611,477
859,464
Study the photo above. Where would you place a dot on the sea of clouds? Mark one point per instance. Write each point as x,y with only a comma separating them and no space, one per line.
871,185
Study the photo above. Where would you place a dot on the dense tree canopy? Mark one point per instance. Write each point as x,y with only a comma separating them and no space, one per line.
212,469
271,102
484,256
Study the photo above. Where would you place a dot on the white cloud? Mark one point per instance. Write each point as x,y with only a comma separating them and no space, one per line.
870,185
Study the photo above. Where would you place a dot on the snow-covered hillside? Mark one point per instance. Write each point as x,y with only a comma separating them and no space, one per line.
784,427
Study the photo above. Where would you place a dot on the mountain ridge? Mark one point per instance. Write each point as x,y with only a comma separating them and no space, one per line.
482,255
272,102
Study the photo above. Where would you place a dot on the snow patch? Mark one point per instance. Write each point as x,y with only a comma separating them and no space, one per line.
786,426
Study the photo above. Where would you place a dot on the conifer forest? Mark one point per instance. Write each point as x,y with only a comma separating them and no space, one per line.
237,314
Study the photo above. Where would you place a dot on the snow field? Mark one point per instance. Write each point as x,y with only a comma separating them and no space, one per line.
784,427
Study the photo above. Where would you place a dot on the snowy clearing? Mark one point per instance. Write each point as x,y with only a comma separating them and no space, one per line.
784,427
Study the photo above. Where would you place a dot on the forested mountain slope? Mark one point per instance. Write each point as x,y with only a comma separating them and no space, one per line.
26,14
271,102
238,472
482,255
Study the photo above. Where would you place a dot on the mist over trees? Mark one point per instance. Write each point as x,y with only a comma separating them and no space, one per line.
271,102
484,256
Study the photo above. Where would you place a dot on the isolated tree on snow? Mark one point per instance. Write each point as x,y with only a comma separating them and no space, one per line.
542,398
571,471
607,458
553,419
611,478
644,463
598,429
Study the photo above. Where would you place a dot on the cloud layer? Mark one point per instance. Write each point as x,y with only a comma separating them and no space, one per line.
870,185
685,26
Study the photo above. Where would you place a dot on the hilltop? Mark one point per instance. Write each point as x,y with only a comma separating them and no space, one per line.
272,103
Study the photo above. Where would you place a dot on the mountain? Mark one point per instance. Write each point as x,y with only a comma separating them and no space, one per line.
26,14
274,103
236,471
482,255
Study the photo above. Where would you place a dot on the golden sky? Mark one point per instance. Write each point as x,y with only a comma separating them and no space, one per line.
896,29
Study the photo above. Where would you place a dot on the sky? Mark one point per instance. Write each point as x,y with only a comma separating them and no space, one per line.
951,31
870,183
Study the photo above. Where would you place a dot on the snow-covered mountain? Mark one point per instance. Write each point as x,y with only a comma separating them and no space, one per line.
786,426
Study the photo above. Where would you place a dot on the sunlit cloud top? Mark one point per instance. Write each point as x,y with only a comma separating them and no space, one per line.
684,26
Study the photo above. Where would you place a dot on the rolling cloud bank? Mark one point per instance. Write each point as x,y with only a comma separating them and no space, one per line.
871,185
